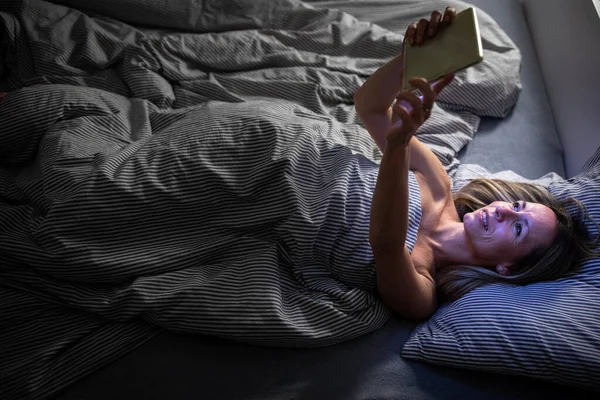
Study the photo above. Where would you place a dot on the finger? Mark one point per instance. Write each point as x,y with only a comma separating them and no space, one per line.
421,29
429,94
416,106
3,95
404,116
434,23
439,85
449,15
410,33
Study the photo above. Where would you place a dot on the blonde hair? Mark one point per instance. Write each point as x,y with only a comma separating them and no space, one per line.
570,245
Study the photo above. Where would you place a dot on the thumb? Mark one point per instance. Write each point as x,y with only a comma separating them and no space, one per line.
440,84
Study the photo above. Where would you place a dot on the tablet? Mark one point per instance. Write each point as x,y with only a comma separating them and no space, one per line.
455,47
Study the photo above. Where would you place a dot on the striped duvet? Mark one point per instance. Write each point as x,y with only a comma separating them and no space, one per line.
199,169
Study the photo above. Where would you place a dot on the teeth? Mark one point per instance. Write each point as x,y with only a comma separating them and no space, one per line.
485,225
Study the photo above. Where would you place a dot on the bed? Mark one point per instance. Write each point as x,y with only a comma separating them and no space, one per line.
147,362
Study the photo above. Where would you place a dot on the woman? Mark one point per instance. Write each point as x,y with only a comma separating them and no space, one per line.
515,232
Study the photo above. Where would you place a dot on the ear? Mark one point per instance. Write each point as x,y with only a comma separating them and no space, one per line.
503,269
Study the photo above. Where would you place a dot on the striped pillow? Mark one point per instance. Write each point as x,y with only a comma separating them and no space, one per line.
546,330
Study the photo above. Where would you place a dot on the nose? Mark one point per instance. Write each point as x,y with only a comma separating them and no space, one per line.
503,213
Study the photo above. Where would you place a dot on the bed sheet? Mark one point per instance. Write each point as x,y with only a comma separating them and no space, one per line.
184,366
154,89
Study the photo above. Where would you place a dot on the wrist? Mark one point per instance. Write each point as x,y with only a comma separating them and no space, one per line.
398,143
397,150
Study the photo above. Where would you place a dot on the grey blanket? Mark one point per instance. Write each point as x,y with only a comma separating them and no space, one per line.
162,165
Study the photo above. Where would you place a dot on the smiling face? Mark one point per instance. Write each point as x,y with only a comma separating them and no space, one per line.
502,232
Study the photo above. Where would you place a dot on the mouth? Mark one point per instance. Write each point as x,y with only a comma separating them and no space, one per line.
484,219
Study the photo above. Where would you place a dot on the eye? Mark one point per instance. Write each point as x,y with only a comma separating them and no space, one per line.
516,205
518,228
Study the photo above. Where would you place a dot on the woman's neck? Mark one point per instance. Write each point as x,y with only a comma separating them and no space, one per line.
450,245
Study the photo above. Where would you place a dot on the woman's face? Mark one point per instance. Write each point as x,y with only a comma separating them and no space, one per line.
502,232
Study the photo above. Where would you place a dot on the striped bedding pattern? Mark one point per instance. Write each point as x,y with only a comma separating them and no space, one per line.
546,330
193,166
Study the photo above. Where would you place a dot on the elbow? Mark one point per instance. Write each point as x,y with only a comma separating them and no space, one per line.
416,313
422,314
414,305
360,103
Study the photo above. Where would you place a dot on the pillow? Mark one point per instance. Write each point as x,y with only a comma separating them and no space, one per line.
546,330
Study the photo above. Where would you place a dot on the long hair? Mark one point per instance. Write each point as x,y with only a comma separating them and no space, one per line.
570,245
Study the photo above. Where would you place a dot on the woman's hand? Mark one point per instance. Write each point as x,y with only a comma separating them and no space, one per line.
417,32
410,112
373,99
